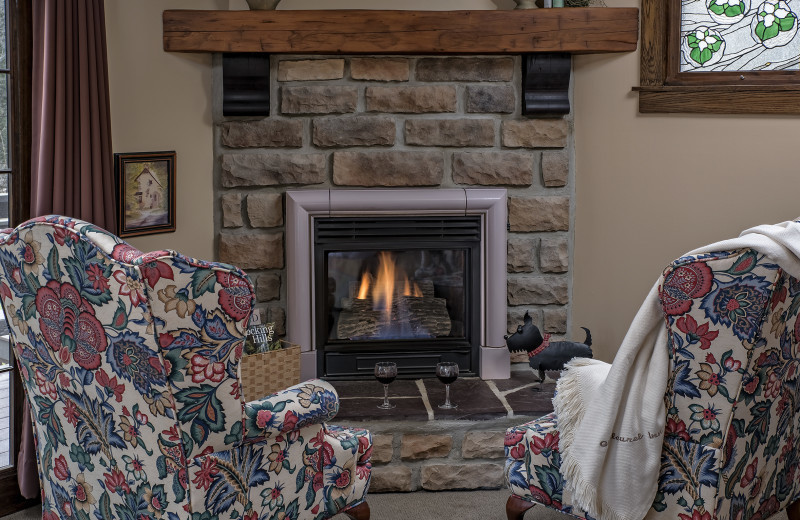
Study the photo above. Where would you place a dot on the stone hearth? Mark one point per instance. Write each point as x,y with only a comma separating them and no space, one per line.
368,122
419,447
418,399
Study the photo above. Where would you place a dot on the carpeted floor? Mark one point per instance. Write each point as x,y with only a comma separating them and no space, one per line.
456,505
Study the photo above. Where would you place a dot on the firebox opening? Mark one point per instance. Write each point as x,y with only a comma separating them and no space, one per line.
397,289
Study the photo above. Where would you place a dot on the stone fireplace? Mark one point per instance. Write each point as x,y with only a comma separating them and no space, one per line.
379,125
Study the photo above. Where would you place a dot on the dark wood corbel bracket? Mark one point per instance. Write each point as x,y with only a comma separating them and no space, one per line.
545,84
245,84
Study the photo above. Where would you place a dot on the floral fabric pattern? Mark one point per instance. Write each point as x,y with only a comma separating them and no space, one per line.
130,363
730,441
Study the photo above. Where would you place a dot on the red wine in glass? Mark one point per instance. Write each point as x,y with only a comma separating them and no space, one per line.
385,373
385,380
447,379
447,372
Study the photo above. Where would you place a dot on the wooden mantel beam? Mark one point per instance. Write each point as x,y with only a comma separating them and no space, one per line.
573,30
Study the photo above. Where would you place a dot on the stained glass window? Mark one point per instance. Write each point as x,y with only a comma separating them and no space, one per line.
739,35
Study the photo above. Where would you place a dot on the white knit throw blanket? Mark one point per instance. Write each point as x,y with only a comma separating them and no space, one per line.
611,417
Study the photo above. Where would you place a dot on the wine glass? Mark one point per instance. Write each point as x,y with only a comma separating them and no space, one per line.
447,372
385,372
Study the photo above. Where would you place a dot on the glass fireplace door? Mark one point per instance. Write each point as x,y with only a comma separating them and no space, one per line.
396,289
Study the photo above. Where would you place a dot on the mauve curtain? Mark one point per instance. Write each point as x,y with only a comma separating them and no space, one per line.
71,163
71,167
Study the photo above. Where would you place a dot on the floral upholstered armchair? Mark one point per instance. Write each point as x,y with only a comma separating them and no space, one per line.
130,365
731,444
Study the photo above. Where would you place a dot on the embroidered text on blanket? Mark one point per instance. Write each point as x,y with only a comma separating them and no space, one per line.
638,437
615,437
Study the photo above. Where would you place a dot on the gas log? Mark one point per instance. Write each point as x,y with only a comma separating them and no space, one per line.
422,316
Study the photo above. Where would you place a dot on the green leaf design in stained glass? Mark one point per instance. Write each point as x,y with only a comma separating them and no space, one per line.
787,23
702,56
772,31
760,29
765,33
734,10
716,9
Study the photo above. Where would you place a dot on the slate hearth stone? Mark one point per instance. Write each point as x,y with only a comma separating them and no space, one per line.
359,400
475,398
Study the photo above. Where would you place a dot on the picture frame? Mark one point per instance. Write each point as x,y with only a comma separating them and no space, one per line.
145,193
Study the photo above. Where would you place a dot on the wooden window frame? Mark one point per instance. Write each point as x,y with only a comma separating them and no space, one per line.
19,94
664,89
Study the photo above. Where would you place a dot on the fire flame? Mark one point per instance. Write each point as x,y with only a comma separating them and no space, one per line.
381,288
363,290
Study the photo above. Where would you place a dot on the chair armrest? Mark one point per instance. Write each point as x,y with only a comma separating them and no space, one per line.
312,402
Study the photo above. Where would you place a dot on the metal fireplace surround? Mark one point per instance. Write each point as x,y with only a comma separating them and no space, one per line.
304,208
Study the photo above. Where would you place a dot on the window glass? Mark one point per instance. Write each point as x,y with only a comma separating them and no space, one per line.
739,35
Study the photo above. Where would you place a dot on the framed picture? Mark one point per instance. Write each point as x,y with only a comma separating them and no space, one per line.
145,193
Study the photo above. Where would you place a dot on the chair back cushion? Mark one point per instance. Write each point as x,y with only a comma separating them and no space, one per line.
200,312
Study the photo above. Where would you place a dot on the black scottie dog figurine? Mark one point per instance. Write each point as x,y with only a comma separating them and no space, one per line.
542,354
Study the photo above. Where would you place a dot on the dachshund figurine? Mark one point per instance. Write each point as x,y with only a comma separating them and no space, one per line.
543,354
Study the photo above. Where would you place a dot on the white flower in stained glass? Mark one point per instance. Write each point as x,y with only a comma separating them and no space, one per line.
727,12
704,46
774,24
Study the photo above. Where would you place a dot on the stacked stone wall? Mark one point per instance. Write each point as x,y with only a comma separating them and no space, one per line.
369,122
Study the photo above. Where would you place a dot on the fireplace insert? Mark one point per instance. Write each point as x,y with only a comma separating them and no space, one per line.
402,289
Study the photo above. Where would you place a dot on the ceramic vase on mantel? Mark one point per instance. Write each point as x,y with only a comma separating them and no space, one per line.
526,4
263,5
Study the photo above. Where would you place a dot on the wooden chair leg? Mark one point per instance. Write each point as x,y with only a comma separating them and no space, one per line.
793,511
516,507
360,512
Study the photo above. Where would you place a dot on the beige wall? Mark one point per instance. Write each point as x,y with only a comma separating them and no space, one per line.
162,101
651,187
648,187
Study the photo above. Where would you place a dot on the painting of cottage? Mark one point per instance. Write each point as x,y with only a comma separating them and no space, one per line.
146,194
